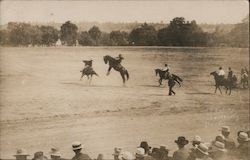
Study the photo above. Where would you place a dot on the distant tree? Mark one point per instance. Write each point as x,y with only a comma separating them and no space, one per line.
84,39
49,35
3,37
143,35
69,33
105,39
181,33
119,38
95,34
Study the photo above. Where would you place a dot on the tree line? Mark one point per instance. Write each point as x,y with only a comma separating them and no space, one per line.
178,32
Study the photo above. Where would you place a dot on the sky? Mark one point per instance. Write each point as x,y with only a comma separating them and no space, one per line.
203,11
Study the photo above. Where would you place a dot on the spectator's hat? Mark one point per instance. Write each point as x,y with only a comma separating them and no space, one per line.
225,129
140,152
144,144
126,156
181,140
21,152
196,139
202,148
55,152
243,137
76,145
163,146
117,151
39,155
219,146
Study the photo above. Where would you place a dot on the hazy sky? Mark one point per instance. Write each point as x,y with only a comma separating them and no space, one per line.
206,11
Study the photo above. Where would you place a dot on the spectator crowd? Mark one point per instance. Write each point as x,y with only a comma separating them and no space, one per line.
223,147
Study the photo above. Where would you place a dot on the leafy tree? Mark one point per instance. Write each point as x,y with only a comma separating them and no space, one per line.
143,35
49,35
69,33
3,37
105,39
95,34
119,38
85,39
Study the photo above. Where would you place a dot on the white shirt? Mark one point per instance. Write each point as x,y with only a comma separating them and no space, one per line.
165,69
221,72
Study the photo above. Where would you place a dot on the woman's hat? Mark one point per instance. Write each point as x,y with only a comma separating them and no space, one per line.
202,148
243,137
76,145
55,152
126,156
21,152
117,151
197,138
181,140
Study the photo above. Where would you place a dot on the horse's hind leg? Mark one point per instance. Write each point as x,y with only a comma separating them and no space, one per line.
160,81
220,90
109,70
81,76
123,78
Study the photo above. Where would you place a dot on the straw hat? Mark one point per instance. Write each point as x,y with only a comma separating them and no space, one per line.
140,152
125,155
21,152
219,146
243,137
76,145
196,139
117,151
202,148
55,152
225,129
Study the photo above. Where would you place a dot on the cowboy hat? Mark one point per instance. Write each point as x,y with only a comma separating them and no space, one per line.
76,145
21,152
55,152
243,137
181,140
202,148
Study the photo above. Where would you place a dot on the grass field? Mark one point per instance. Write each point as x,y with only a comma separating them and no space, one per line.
44,104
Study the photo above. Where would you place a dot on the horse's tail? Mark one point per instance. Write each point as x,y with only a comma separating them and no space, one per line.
105,58
156,72
126,73
96,74
177,77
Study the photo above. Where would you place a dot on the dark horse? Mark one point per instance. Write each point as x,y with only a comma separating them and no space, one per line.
220,81
113,63
163,76
89,72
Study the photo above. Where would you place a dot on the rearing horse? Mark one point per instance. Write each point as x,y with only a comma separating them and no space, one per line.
113,63
163,76
219,81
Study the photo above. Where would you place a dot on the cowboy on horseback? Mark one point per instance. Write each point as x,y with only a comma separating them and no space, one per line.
221,73
119,58
166,68
88,70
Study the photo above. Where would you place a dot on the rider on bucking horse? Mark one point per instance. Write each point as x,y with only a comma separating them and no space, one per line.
88,64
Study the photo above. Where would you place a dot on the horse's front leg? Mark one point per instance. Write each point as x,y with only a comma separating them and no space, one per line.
123,77
215,89
160,82
109,70
90,80
219,89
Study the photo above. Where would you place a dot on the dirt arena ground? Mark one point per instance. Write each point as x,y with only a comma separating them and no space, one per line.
44,105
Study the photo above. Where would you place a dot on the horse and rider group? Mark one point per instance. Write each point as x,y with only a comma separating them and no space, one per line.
228,82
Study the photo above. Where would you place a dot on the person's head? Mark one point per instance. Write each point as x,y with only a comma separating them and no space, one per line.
220,138
220,68
225,131
181,142
55,154
196,140
77,147
21,154
229,68
39,156
125,155
145,146
120,55
117,152
166,65
243,137
201,150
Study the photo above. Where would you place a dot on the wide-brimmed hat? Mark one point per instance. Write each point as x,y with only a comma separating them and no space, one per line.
55,152
181,140
21,152
202,148
243,136
140,152
219,146
196,138
125,155
76,145
163,147
225,129
117,151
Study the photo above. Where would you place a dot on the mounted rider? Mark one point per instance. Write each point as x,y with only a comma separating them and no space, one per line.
221,73
119,58
88,64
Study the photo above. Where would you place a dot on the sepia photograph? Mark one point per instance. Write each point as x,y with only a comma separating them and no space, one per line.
124,80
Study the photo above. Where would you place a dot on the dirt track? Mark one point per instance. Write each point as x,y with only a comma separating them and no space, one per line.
43,103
